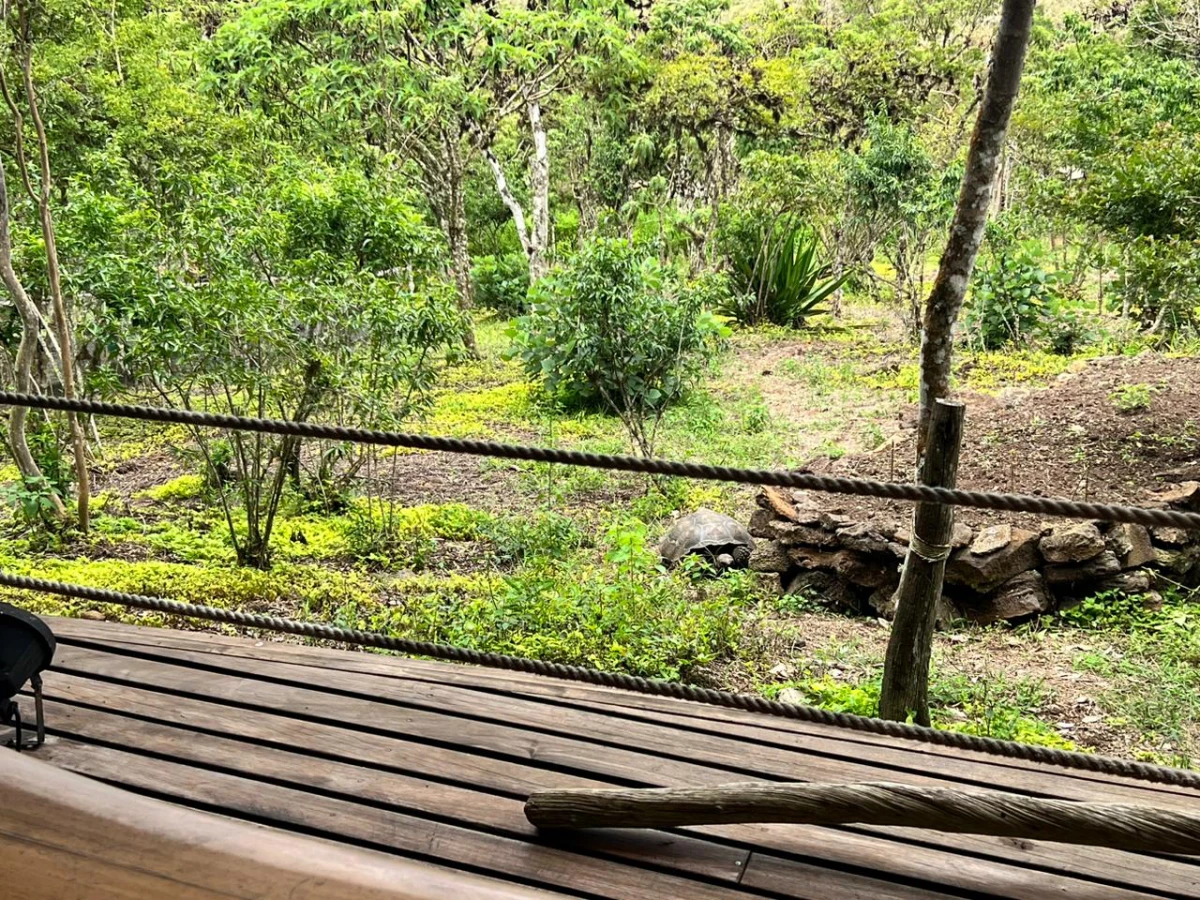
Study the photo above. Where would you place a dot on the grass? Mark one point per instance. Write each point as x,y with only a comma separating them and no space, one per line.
1150,658
993,705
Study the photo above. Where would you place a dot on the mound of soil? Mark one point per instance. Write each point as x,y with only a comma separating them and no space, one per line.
1069,439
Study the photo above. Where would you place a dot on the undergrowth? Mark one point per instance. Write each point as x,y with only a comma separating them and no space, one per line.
995,706
1150,656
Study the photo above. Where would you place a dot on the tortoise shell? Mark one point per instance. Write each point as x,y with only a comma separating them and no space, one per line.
709,533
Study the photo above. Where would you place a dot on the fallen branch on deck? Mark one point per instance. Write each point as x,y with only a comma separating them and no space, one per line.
1117,825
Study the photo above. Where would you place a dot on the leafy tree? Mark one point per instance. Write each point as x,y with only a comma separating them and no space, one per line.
899,197
304,296
906,669
422,84
1114,127
21,99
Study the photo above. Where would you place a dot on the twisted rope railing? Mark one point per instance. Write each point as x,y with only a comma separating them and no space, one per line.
1102,765
862,487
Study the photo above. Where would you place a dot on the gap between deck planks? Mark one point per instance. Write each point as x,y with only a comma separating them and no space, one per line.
629,750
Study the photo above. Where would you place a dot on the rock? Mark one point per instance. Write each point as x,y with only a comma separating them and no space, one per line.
1021,596
1072,544
93,615
946,612
765,525
1179,561
824,588
991,539
833,521
855,568
985,572
769,556
791,695
1170,536
803,535
864,539
1102,566
776,501
1138,582
961,536
883,601
1185,495
761,521
1131,544
783,670
807,510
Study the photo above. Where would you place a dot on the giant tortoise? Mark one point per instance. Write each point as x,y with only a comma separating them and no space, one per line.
724,542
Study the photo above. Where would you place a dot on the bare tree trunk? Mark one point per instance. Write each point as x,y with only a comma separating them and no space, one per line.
539,187
26,352
53,273
454,220
510,200
970,217
535,234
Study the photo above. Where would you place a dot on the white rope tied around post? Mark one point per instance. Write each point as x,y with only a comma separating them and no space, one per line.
1119,826
931,553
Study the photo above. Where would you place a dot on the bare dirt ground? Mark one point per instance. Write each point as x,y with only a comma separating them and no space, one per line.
790,374
851,651
1068,439
1085,435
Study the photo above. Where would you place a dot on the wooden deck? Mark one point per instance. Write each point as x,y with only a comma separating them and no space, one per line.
432,762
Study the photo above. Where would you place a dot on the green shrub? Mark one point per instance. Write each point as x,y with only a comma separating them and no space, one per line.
520,539
779,279
501,282
31,500
619,332
620,615
185,487
384,535
1016,302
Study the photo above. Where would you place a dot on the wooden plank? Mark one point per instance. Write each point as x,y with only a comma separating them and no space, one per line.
843,848
403,793
792,757
62,835
831,740
981,867
438,842
776,875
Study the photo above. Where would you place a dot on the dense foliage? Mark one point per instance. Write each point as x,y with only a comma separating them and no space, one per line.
616,330
287,207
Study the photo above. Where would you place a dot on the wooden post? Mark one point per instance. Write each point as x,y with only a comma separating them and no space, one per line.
906,671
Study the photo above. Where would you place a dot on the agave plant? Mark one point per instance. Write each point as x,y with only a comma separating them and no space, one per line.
785,283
